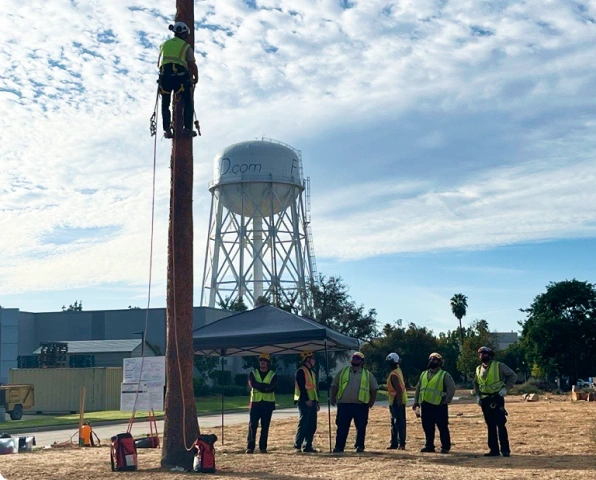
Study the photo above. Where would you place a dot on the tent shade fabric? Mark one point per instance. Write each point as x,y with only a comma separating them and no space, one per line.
267,329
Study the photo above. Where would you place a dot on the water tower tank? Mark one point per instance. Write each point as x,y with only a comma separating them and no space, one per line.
257,178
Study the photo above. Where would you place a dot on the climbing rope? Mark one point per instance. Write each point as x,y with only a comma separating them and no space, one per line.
153,127
153,130
175,322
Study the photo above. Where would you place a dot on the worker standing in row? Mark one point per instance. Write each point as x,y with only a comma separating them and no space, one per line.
492,381
262,403
398,398
306,396
434,392
354,391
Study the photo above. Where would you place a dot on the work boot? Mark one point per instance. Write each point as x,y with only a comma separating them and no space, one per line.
186,132
492,454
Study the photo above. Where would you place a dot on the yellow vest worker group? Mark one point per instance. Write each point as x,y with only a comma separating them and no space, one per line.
431,390
363,391
257,396
391,392
310,385
174,51
492,383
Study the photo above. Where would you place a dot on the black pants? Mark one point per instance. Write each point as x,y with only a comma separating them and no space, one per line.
435,415
495,416
346,412
175,78
398,424
259,412
307,425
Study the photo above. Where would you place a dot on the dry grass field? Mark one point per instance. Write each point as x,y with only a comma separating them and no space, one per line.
550,439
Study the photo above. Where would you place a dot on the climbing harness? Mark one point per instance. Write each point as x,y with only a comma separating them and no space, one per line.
154,117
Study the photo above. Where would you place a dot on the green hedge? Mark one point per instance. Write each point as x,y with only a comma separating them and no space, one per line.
241,379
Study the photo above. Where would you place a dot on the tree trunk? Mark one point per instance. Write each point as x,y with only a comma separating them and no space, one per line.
181,426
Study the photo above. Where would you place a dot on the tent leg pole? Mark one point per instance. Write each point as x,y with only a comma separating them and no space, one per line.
222,403
328,393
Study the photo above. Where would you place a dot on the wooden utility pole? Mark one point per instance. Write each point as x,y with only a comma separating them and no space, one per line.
181,426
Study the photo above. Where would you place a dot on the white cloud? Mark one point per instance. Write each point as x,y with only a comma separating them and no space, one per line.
80,86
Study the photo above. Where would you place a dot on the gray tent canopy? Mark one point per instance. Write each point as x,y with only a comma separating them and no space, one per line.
267,329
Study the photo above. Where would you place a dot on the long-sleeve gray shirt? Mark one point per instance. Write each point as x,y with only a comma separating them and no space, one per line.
448,387
508,376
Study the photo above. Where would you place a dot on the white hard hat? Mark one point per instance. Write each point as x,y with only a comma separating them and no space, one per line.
392,357
179,27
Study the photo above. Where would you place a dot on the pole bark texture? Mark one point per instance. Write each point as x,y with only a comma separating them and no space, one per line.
181,426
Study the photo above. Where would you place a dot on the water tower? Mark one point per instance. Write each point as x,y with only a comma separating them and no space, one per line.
259,241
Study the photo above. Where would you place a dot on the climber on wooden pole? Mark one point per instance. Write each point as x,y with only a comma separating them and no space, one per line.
181,427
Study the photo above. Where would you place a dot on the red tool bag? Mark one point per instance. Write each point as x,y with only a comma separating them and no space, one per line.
205,457
123,453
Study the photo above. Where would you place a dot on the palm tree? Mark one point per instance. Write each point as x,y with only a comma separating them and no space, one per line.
459,305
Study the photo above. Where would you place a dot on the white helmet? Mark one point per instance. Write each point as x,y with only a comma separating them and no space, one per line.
179,27
392,357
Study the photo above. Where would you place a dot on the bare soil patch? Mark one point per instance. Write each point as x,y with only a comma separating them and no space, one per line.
550,439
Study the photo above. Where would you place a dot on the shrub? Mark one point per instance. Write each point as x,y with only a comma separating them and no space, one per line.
285,384
230,390
241,379
223,377
531,386
200,387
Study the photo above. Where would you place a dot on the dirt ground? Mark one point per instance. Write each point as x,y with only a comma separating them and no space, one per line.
550,439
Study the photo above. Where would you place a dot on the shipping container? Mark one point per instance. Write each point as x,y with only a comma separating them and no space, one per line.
58,390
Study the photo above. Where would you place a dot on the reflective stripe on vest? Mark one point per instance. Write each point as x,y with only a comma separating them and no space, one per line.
257,396
391,392
174,51
431,390
492,383
363,390
310,385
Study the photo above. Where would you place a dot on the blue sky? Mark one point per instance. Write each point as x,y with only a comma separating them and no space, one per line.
450,145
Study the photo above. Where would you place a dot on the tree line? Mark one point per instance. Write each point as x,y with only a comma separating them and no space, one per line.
557,337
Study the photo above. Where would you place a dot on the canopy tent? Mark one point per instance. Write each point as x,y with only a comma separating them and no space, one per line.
271,330
267,329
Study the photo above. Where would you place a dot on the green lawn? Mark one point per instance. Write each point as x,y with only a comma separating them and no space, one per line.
205,406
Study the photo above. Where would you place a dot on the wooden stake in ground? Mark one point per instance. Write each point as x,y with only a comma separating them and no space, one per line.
181,426
82,394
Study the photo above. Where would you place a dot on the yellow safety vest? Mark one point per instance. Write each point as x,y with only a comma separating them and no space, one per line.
431,390
363,391
391,392
174,51
256,395
492,383
311,385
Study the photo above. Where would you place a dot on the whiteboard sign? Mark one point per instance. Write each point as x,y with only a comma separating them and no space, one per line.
154,369
148,395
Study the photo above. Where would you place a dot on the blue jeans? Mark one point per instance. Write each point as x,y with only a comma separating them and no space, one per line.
307,425
398,424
